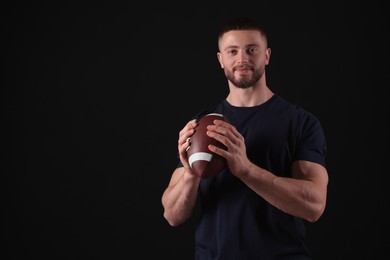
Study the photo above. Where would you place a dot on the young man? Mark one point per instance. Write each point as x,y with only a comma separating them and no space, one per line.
276,176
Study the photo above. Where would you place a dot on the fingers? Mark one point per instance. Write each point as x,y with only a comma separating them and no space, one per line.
224,132
224,128
185,134
188,141
184,142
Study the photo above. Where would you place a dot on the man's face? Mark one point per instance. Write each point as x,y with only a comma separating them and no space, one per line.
243,56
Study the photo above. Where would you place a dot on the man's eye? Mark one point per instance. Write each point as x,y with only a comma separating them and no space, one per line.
252,50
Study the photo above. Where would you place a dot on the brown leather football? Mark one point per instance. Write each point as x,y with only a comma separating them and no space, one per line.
203,162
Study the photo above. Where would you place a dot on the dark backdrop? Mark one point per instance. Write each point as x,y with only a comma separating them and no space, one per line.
95,95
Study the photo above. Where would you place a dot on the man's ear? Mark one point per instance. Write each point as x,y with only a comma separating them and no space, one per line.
267,56
219,57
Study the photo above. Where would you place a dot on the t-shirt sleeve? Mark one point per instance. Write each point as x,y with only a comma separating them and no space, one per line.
311,144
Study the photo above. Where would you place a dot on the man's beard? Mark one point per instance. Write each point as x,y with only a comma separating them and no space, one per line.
244,82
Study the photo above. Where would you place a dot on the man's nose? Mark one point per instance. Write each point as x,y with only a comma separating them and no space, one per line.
243,56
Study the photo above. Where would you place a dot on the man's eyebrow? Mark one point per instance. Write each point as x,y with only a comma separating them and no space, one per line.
246,46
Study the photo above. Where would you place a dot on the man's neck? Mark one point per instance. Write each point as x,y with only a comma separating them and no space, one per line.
249,97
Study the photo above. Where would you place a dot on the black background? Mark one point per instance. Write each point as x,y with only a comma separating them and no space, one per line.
95,95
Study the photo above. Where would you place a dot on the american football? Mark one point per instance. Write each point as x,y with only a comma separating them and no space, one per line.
203,162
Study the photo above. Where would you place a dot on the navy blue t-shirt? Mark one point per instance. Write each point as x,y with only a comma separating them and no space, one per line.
235,222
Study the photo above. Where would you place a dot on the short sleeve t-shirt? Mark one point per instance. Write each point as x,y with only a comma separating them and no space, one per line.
237,223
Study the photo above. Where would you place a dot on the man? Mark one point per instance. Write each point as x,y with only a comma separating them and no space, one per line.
276,176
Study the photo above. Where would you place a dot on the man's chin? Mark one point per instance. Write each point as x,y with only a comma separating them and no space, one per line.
243,85
243,73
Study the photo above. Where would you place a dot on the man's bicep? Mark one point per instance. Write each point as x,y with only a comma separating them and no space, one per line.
310,171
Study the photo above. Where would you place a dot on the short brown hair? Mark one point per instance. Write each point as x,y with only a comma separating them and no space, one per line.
243,23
